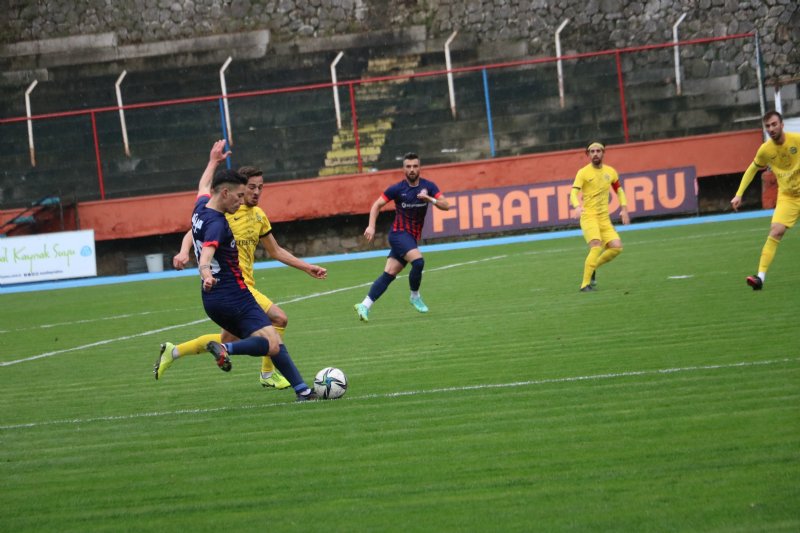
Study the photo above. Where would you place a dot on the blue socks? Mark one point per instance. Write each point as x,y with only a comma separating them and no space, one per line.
415,276
255,346
258,347
379,286
283,362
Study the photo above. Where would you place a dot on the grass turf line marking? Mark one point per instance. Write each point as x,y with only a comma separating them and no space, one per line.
100,319
194,322
99,343
485,386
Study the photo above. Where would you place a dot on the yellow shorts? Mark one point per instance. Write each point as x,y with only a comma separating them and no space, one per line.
263,302
598,227
787,210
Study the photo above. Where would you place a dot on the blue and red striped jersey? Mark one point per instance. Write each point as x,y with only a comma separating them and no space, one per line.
409,210
210,228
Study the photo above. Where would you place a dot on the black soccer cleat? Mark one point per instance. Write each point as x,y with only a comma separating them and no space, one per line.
310,397
220,355
755,282
587,288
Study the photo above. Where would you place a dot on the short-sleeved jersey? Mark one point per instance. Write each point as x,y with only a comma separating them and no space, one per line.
410,211
594,184
784,161
210,228
249,225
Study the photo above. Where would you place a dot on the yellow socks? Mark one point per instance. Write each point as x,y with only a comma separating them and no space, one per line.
608,255
590,264
597,257
198,345
266,362
768,253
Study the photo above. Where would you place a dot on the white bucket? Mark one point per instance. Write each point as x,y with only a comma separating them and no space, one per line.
155,262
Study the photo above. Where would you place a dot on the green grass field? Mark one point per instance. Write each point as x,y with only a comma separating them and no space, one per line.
669,400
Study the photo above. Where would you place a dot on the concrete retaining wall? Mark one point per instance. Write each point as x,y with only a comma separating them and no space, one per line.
518,26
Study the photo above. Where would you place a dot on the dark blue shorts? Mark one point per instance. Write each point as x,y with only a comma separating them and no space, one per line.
241,317
401,243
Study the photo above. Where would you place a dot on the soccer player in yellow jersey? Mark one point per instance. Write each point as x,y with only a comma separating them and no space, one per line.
781,153
593,182
250,227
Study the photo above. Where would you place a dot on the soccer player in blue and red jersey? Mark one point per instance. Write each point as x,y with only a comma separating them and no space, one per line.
411,199
226,298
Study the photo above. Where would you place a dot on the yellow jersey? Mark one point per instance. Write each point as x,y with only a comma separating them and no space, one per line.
249,225
594,184
784,161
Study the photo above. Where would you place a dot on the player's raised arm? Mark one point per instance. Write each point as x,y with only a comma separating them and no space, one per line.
277,252
369,233
217,156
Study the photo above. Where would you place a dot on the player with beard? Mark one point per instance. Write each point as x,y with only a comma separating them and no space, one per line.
250,226
593,182
781,153
411,198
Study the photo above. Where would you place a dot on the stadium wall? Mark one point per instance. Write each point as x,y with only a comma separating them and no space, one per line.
529,24
140,225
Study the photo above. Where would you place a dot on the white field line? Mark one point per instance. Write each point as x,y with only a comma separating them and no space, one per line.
99,343
486,386
92,320
194,322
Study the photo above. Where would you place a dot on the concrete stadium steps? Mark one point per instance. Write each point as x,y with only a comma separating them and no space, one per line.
376,103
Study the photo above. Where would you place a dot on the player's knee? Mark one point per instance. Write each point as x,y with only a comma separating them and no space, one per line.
274,346
777,231
279,320
273,338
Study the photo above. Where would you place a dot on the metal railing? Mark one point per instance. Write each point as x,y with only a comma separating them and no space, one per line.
265,97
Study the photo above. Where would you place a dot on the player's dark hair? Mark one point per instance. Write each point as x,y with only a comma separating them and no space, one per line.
769,114
249,172
227,176
410,155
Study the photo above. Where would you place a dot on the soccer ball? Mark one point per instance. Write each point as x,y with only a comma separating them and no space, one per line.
330,383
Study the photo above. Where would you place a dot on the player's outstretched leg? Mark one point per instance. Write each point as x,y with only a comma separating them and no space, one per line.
164,359
220,354
283,361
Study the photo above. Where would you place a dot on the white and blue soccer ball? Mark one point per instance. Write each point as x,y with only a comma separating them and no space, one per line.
330,383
